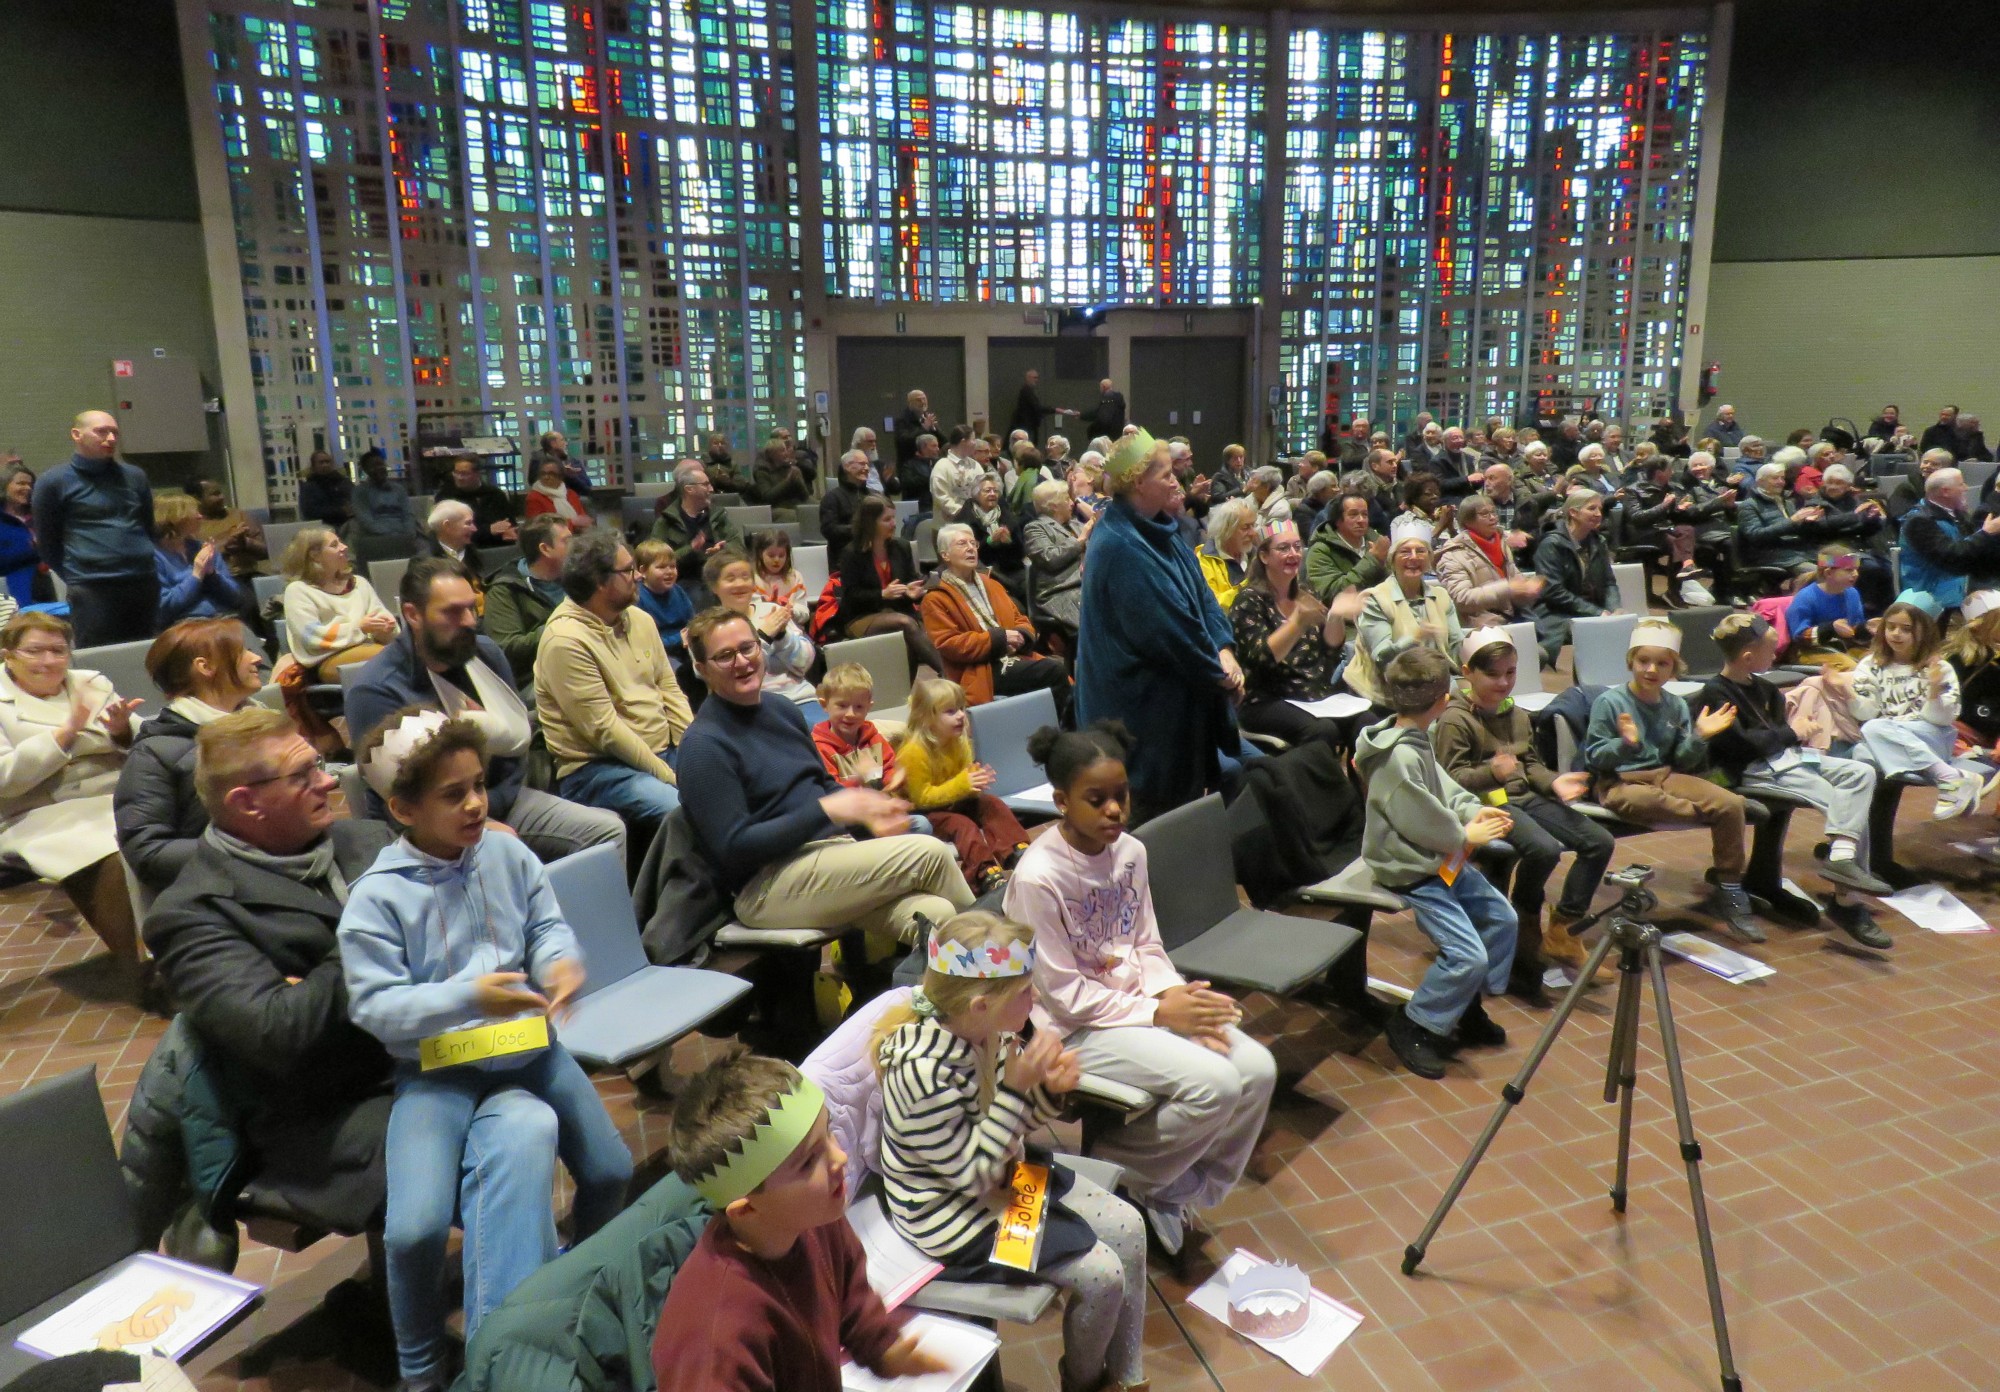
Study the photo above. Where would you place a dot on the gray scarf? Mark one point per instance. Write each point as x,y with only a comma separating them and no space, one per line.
314,868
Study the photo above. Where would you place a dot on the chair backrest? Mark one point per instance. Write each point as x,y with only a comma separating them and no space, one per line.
1698,646
278,535
790,529
906,508
1528,672
725,501
72,1217
387,578
887,661
590,890
749,514
1599,648
844,1068
1633,592
1000,731
487,559
1188,862
635,510
653,488
370,549
1976,472
924,545
809,528
349,674
261,516
125,665
812,567
267,588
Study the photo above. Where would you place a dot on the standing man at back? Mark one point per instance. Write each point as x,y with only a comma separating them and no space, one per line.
94,523
1108,417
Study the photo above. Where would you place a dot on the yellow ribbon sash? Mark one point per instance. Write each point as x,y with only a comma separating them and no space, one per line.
484,1042
1019,1241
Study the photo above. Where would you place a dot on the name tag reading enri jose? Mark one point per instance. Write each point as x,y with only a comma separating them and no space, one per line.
485,1042
1019,1241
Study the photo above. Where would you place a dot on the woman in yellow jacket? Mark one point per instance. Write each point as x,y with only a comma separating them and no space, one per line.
1225,556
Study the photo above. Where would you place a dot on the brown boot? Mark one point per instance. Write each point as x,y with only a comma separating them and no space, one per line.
1562,950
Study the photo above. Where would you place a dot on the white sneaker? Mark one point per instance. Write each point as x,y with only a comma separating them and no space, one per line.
1956,797
1694,592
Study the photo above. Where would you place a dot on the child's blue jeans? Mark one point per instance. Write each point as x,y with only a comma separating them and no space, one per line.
1473,926
482,1143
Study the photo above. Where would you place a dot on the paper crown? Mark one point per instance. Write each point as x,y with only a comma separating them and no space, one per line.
1980,603
1129,456
1920,599
769,1144
1479,638
383,761
1407,528
1654,633
1270,1300
1283,530
980,963
1842,563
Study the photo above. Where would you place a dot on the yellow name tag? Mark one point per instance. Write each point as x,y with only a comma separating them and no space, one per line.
1019,1241
1455,862
485,1042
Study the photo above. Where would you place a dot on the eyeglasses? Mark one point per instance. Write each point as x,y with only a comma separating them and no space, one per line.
729,657
630,572
299,777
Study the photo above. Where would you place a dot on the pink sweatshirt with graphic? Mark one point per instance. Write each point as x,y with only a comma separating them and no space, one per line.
1099,961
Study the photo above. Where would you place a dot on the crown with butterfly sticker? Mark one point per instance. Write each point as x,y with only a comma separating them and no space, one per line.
981,963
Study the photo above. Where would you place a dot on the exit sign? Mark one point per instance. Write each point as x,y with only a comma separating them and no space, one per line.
121,367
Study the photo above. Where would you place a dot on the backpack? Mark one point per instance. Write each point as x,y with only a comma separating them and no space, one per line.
826,610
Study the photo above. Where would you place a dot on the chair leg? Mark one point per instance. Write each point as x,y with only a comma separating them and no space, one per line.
1346,981
1765,877
1882,837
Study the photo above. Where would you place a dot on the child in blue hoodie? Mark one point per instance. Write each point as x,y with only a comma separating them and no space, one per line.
453,929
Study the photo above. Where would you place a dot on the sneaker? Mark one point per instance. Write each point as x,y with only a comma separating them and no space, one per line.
1476,1029
1861,926
1729,903
1421,1051
1956,797
1694,592
1847,870
1168,1227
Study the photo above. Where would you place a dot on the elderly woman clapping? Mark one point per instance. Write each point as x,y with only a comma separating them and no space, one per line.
63,737
986,641
1767,533
1403,611
1054,541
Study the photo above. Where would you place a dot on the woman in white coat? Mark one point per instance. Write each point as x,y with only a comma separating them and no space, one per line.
63,737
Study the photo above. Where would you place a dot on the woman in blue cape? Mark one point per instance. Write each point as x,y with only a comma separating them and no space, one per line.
1154,648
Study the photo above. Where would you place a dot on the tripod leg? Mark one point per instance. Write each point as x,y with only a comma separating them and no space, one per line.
1691,1154
1621,1074
1510,1097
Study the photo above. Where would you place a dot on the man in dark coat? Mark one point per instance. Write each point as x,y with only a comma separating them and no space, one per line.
1107,418
1028,408
492,512
917,419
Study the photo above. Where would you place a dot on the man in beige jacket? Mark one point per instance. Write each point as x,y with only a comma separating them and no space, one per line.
610,709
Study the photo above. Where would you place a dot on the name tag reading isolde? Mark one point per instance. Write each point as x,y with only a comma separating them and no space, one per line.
484,1042
1019,1242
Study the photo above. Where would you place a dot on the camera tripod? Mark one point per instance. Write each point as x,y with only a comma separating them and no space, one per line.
1638,944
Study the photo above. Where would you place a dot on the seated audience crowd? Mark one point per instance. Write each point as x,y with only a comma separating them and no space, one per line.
549,680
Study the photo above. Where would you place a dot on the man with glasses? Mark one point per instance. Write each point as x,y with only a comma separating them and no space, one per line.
441,659
610,708
684,520
795,848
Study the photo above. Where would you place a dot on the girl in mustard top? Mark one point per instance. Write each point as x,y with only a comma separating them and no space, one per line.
943,782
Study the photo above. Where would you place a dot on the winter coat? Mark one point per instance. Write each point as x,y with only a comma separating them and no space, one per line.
972,651
585,1321
515,613
1767,535
159,818
1332,564
1480,591
310,1089
1388,627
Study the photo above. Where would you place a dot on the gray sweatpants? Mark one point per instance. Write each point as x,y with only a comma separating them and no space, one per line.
1840,788
1189,1151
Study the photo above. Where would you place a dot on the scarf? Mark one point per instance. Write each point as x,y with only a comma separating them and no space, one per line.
982,605
1494,548
195,710
560,495
315,867
989,518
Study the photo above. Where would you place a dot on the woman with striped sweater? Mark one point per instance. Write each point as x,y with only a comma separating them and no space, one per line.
960,1092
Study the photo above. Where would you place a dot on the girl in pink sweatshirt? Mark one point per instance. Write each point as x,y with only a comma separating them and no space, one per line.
1103,982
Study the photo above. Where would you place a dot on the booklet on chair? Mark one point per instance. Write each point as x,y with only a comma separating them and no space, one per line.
146,1304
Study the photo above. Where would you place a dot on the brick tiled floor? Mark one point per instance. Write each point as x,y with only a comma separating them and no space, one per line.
1853,1173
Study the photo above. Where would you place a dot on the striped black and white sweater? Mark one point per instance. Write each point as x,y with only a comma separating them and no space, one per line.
944,1162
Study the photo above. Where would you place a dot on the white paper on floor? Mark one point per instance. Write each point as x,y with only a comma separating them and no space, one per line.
1714,957
1985,848
1326,1328
1938,909
1334,707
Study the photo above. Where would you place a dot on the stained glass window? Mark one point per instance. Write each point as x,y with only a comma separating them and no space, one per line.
503,216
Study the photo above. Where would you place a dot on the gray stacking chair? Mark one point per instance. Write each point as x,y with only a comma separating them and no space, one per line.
1000,731
125,665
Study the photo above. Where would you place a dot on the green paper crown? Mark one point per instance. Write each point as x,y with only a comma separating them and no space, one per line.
769,1144
1129,456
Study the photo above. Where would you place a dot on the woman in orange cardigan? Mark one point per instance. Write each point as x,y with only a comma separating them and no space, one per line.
986,641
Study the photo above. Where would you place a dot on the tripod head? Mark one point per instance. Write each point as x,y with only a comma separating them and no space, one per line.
1635,903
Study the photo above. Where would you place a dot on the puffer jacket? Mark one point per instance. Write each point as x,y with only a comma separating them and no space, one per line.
1481,592
180,1146
159,818
585,1321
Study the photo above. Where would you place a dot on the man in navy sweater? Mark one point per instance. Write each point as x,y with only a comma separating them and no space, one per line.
770,817
94,523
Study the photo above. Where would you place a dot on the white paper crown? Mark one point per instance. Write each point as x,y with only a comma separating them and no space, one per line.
1654,633
1408,528
1980,603
1270,1300
1481,638
979,963
383,762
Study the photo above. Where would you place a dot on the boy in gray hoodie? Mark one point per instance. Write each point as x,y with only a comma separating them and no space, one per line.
1421,832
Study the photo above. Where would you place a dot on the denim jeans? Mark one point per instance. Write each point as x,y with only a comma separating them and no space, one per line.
633,794
483,1143
1473,927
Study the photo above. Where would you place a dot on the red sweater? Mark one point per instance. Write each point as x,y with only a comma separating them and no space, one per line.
737,1323
845,761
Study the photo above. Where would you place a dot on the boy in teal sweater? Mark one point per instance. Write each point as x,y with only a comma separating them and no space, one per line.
1422,828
